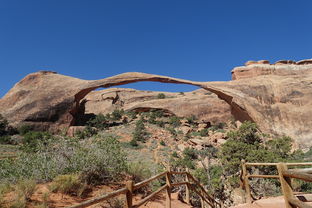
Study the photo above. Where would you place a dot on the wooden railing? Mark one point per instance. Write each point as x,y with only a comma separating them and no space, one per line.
190,183
284,175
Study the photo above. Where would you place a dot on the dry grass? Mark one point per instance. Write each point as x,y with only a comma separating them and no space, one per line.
68,184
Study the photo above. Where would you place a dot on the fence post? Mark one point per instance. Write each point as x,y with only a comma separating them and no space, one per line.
202,202
168,189
248,197
187,187
286,184
129,194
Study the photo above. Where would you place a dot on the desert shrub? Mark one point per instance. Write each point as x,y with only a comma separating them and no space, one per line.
5,131
22,191
24,129
97,159
139,171
189,155
68,184
117,114
161,96
33,140
19,201
134,142
86,133
247,133
191,119
4,124
152,118
100,121
245,143
6,139
162,143
280,146
131,114
203,132
160,123
172,131
175,121
140,133
26,187
212,178
175,154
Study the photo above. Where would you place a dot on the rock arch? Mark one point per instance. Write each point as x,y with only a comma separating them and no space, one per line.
126,78
278,103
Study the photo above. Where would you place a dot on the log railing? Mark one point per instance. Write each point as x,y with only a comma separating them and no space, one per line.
284,175
190,183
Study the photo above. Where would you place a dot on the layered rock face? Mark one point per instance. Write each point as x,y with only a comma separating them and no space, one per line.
277,99
263,67
201,103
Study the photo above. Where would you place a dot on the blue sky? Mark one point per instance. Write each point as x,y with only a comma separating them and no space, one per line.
191,39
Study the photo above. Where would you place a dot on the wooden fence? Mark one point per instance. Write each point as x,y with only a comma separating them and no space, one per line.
190,183
284,176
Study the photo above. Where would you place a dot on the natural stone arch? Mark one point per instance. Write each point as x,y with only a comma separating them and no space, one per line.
278,103
238,112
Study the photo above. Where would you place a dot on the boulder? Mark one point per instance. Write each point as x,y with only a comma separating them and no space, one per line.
185,129
217,136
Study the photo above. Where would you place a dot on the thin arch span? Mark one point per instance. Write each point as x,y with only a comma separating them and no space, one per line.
238,111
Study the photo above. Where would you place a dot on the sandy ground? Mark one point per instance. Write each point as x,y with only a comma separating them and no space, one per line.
272,202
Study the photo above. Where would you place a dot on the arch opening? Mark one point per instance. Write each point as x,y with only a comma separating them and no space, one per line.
78,110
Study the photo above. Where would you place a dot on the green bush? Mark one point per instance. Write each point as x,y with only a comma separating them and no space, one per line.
162,143
97,159
245,143
161,96
86,133
175,121
203,132
172,131
117,114
24,129
100,121
189,155
132,114
6,139
4,124
140,133
33,140
191,119
139,171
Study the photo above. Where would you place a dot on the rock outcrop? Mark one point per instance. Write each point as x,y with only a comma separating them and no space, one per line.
262,67
276,97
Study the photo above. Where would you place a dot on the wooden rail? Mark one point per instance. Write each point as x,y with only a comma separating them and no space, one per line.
284,175
190,184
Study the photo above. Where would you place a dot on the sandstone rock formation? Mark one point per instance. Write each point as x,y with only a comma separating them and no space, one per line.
276,97
201,103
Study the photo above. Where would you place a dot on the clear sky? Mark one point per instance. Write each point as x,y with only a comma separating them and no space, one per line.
200,40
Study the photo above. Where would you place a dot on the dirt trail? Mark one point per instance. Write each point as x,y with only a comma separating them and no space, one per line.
272,202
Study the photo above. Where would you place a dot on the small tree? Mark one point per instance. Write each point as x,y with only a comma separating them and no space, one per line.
4,124
139,133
